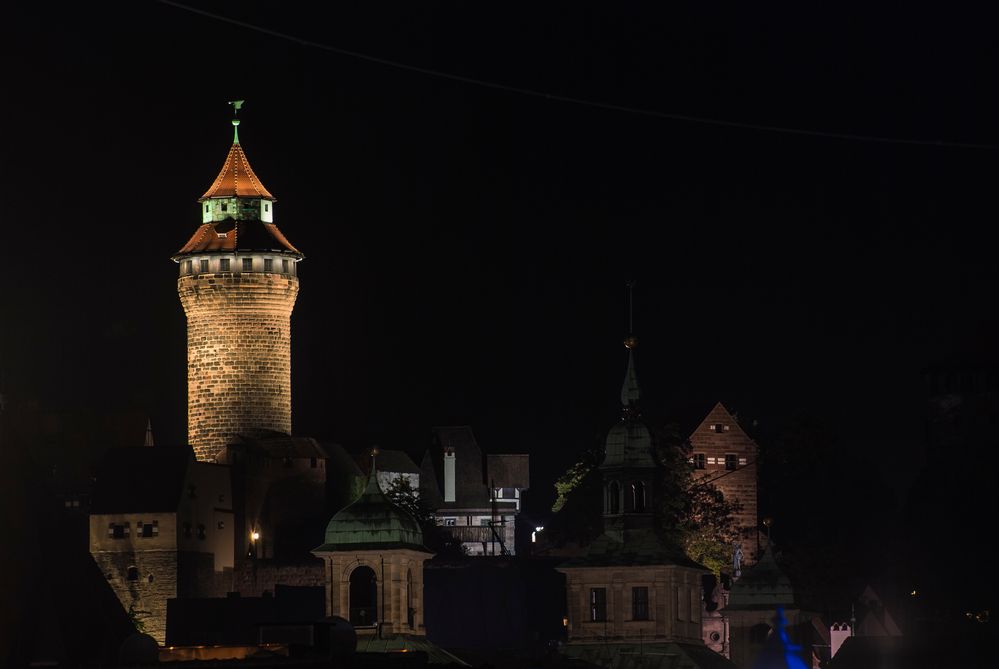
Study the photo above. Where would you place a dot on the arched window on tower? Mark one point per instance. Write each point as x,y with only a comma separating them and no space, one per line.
363,597
613,498
638,497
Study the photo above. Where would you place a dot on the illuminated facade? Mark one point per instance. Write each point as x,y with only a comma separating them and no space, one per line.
238,284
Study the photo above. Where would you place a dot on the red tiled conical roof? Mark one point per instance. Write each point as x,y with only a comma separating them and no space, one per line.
236,179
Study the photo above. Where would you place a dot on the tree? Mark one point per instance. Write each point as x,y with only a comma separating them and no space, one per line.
691,514
402,493
138,616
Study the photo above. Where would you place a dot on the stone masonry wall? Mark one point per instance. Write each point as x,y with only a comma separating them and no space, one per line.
238,355
717,436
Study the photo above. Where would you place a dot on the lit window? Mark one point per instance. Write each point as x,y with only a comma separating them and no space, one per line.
223,264
598,604
268,265
640,603
731,461
699,460
247,264
450,522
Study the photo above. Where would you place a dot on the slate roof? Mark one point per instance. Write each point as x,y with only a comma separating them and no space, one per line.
280,445
236,178
641,547
231,236
141,479
509,470
470,486
764,586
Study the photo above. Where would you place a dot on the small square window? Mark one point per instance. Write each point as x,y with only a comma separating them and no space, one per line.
731,461
247,264
203,265
119,531
718,427
699,460
268,265
223,264
147,530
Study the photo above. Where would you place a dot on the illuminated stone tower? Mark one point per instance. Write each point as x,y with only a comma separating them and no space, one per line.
238,283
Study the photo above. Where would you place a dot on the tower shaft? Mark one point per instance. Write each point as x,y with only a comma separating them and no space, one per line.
238,356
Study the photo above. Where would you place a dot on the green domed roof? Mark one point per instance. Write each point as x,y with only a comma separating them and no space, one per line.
372,521
629,444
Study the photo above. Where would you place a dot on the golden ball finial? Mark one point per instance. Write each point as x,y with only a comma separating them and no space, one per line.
631,342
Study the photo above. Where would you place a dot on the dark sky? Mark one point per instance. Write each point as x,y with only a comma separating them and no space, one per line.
467,248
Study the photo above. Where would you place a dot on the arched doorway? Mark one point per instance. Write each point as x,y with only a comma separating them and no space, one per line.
363,597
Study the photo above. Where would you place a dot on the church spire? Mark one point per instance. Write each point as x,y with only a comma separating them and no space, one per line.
630,391
236,106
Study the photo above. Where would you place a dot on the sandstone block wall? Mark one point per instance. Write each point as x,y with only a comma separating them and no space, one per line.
717,436
238,355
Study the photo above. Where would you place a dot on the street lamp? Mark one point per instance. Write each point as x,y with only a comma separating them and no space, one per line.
254,536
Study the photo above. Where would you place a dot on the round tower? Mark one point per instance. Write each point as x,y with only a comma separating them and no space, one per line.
238,283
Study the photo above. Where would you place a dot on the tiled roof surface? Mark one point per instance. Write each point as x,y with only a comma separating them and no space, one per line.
236,179
231,236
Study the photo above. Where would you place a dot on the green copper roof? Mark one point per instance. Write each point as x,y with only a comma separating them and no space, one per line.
372,522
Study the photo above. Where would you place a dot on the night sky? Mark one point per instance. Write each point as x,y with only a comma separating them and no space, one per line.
467,248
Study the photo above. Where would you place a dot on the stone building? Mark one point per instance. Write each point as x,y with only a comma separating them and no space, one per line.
476,505
629,592
279,484
725,456
161,526
238,284
374,557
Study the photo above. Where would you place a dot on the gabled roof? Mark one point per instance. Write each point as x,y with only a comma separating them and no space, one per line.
141,480
230,236
704,434
236,179
764,586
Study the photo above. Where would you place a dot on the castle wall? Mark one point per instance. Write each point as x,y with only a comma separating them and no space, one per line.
238,355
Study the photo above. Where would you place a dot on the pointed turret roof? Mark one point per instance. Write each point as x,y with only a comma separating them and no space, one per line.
236,179
630,392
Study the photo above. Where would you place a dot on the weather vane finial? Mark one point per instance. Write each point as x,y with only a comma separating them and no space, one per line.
236,106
